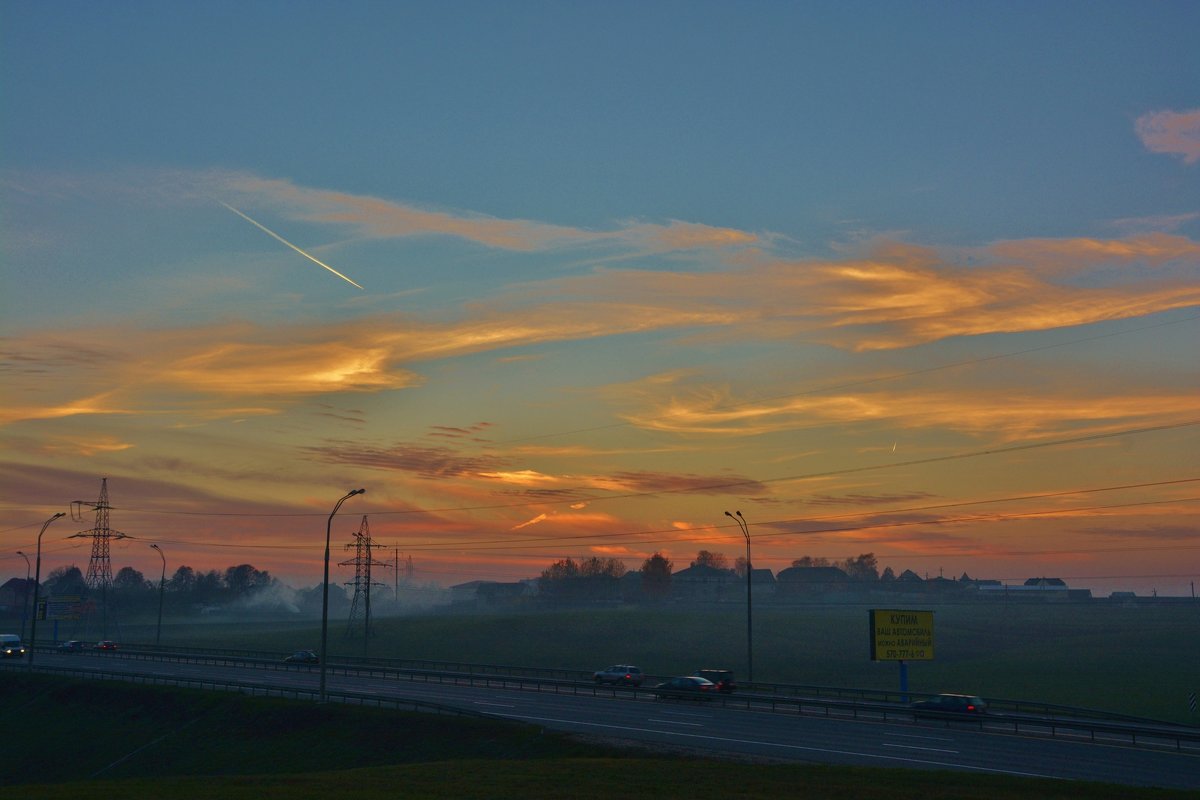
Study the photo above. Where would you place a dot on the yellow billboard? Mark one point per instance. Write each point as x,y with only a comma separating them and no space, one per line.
901,635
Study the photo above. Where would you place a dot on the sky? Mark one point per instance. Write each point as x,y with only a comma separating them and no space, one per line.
559,280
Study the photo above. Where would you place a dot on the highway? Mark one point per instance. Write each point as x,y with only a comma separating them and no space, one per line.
717,730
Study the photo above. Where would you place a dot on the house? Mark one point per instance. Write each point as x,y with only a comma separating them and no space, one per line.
14,592
1038,589
811,582
1053,584
493,595
762,582
706,583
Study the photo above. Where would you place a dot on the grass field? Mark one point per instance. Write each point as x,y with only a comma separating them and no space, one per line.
108,739
1135,660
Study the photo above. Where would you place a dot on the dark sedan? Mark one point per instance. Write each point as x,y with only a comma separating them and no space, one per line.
950,705
303,657
688,687
723,678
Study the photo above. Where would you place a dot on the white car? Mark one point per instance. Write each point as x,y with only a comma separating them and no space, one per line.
626,674
10,645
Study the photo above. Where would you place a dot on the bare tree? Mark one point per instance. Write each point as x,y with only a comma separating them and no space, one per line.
707,558
864,567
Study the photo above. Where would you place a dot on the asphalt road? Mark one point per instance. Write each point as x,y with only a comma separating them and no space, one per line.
729,730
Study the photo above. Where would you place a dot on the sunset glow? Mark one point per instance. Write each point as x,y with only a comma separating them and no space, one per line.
610,285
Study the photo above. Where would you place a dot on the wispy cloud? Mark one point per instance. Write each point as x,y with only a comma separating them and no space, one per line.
895,295
973,410
379,218
1174,133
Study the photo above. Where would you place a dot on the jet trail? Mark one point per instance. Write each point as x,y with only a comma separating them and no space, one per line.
276,236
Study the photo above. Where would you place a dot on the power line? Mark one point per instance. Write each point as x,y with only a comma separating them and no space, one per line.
874,512
715,486
636,536
771,538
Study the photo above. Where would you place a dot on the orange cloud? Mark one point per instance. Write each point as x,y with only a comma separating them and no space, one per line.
1171,132
974,410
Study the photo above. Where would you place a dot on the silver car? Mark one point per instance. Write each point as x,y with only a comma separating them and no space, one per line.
619,674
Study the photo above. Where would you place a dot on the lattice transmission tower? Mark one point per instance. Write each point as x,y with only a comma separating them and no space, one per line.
99,572
360,606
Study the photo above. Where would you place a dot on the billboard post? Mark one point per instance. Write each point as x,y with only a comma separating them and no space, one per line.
901,636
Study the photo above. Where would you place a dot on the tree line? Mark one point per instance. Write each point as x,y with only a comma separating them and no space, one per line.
597,579
185,586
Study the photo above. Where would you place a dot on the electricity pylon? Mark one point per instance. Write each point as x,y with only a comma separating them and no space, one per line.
360,606
99,572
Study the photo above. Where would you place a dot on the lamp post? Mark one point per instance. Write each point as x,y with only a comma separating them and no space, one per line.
162,582
741,522
325,590
37,578
25,594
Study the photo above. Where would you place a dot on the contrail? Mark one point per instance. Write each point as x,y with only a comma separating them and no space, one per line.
276,236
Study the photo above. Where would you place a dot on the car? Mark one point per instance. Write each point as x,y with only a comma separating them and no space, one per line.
71,646
723,678
106,644
947,704
687,687
303,657
10,646
625,674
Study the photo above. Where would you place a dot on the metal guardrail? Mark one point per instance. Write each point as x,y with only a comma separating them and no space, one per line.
255,689
1149,733
787,689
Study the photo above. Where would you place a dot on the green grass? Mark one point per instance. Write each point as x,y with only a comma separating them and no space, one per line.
156,742
1137,660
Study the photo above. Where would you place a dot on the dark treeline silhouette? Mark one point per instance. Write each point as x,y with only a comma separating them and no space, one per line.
187,587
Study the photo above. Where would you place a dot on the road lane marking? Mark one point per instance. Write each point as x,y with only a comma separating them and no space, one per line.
830,751
497,705
915,747
677,722
926,738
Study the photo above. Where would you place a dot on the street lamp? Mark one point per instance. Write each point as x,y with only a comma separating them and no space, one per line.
325,590
37,584
162,582
741,521
25,603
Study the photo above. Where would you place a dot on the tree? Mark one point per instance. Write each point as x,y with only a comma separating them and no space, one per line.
861,568
596,567
244,579
656,576
65,581
558,581
208,587
593,579
128,580
741,566
560,570
810,561
183,581
706,558
888,576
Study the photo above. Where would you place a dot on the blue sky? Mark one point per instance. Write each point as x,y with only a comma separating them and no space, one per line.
569,217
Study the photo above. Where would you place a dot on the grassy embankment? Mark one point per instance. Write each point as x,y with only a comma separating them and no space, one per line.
108,739
1138,660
